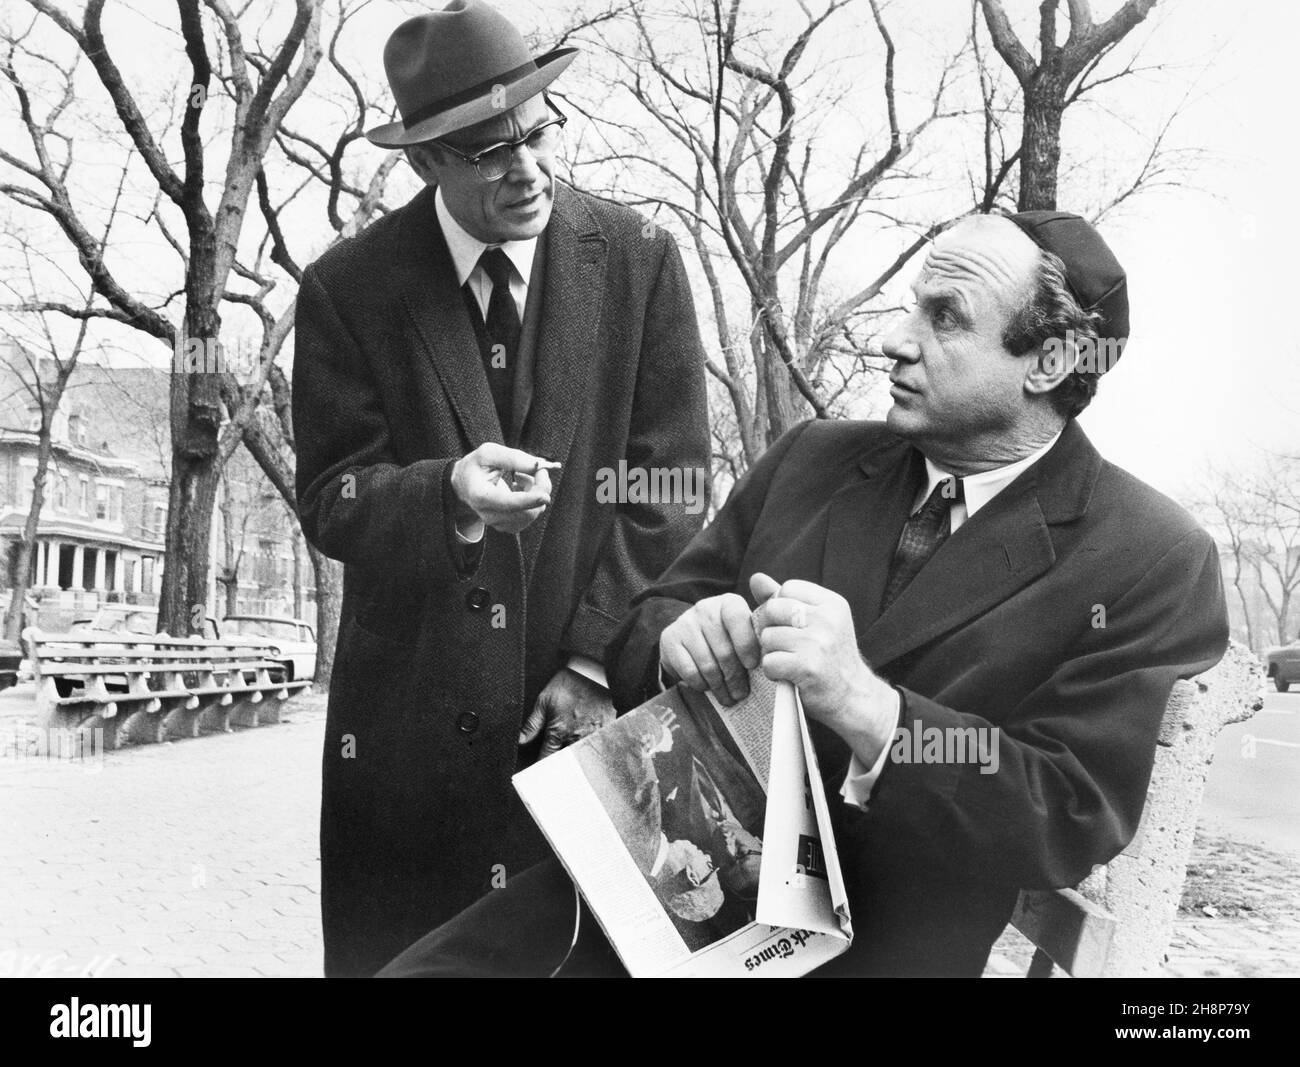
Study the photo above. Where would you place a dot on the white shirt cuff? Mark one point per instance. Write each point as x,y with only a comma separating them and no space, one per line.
474,536
860,780
589,668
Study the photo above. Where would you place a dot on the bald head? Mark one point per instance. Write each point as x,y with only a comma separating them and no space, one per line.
984,256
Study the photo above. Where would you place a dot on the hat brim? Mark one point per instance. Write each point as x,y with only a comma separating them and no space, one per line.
480,109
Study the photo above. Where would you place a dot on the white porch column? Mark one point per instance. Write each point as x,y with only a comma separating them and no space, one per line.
119,574
52,553
78,567
39,570
101,557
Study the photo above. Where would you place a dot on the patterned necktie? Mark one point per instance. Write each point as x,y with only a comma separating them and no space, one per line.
503,329
923,533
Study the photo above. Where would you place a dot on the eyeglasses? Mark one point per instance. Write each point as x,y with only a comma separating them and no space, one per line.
494,163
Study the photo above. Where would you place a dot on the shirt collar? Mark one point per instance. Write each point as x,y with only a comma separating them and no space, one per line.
466,249
979,489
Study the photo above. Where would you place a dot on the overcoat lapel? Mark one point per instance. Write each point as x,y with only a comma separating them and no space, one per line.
1003,548
864,523
565,355
522,389
427,279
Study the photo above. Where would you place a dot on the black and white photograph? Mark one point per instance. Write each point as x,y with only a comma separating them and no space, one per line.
396,393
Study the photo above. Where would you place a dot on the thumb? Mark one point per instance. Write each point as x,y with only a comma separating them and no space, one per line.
763,587
533,724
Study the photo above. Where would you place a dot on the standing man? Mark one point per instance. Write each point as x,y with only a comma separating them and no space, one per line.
467,370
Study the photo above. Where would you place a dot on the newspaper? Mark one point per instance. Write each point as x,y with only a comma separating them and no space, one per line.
700,835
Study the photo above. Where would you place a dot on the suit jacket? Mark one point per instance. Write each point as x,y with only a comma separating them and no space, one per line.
1061,614
442,653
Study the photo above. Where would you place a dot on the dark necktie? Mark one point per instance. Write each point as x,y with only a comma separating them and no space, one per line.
923,533
503,328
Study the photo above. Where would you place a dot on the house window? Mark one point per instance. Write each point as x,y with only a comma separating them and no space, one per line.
83,496
101,501
61,493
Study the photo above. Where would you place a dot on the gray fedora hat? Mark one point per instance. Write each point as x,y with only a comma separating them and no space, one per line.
457,67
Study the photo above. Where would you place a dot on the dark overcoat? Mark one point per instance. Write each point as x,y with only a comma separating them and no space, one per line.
1060,614
442,653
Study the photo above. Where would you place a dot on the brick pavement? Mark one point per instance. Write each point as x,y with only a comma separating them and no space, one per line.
198,858
195,858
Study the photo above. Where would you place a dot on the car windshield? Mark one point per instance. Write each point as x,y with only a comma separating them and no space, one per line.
272,628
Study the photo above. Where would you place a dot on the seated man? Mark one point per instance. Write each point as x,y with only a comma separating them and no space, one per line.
970,564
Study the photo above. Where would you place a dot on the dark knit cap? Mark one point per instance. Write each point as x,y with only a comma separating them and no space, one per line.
1096,279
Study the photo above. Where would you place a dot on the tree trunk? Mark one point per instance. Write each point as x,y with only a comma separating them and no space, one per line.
329,599
183,603
779,391
1245,610
196,473
1040,145
297,570
22,579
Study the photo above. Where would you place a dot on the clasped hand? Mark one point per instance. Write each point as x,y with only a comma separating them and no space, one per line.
801,633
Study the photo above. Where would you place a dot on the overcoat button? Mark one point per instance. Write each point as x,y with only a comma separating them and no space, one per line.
477,598
467,722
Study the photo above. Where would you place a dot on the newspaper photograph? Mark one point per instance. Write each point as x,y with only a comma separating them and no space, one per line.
698,837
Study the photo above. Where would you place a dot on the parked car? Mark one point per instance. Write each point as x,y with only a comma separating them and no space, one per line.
293,641
118,619
11,658
1284,665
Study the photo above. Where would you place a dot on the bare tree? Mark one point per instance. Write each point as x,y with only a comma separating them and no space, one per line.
1059,77
730,149
1255,515
263,88
45,391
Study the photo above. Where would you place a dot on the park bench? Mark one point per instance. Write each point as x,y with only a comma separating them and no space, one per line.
1120,920
148,687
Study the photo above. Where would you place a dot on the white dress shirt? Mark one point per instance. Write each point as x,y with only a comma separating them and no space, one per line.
977,490
466,251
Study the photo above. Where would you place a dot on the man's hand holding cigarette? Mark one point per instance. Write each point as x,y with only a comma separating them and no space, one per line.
500,487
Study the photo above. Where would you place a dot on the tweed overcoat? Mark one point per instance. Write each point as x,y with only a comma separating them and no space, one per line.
441,654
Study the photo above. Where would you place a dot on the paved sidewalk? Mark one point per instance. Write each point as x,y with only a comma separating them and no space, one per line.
196,858
199,858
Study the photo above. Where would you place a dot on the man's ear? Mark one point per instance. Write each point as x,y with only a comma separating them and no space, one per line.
421,158
1051,366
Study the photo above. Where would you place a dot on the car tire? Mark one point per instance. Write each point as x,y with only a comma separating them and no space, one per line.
1281,684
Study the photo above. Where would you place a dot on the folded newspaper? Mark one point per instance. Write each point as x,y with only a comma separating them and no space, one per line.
700,835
